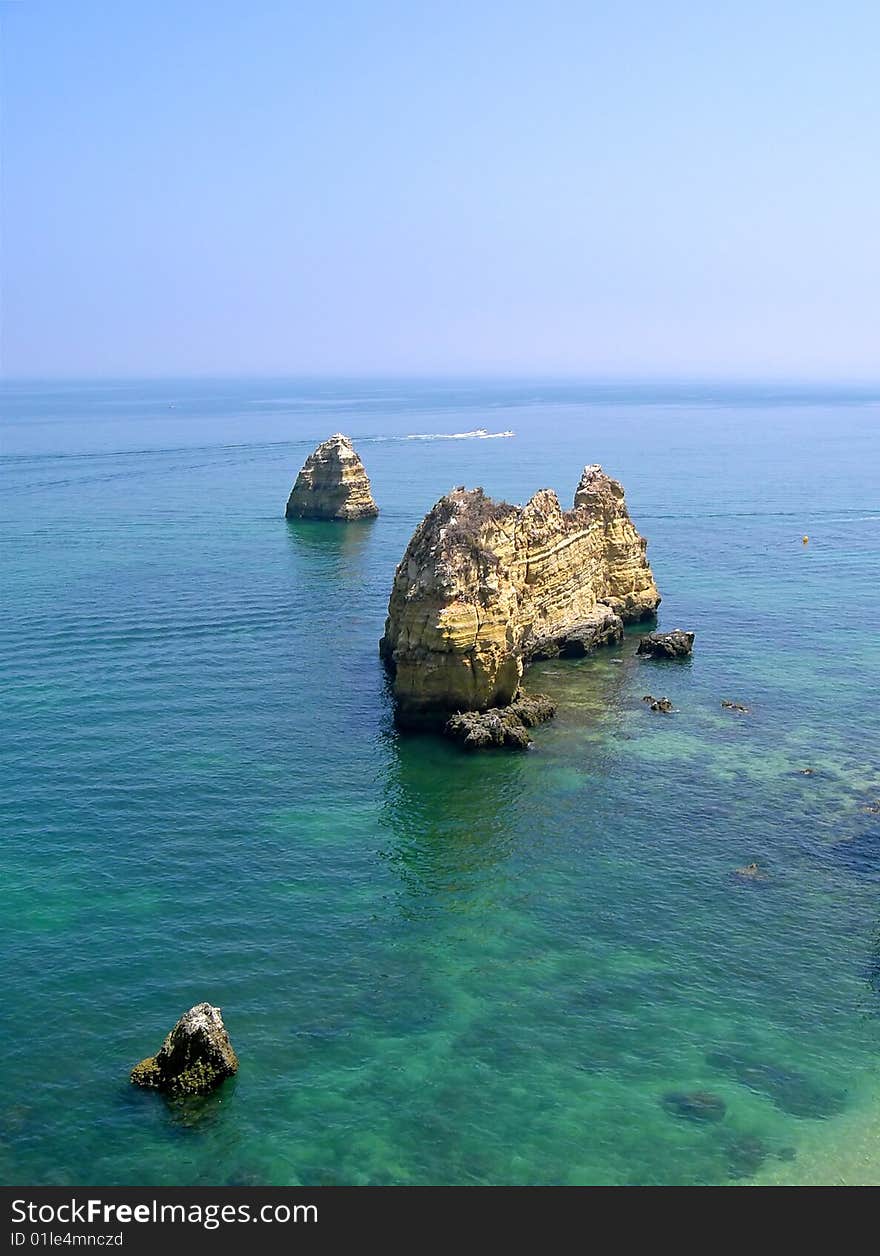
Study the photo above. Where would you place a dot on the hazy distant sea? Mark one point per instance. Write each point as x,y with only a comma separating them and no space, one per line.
435,968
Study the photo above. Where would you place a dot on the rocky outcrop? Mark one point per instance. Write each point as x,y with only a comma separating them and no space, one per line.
501,726
332,485
667,645
484,587
664,705
194,1058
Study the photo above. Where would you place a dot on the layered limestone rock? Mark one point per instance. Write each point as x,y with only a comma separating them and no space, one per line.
484,587
332,485
194,1058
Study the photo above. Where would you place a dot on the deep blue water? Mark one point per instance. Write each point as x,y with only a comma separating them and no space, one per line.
435,968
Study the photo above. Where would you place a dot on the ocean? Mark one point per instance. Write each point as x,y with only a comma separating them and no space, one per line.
436,968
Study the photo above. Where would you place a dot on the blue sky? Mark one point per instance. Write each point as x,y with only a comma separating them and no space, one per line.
588,189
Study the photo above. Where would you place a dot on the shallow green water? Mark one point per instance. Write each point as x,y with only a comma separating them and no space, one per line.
435,968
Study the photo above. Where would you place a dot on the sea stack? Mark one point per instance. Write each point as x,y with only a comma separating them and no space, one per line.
194,1058
484,587
332,484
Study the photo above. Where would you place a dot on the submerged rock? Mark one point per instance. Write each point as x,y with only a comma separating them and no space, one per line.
734,706
787,1088
677,644
750,872
485,587
694,1105
745,1153
501,726
332,485
194,1058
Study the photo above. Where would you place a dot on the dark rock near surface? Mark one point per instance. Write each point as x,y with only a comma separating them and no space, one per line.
694,1105
787,1088
533,708
501,726
194,1058
745,1153
750,872
578,641
659,704
734,706
667,645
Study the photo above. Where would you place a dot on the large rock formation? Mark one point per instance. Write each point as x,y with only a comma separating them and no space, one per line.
194,1058
484,587
332,485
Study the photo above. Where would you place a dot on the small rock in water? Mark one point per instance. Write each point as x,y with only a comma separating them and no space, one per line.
735,706
694,1105
501,726
807,771
480,730
872,809
667,645
195,1057
751,872
658,704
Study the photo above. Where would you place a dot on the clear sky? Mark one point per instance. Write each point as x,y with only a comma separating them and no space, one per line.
602,187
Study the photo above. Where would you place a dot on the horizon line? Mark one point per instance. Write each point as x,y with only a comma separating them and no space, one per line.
852,381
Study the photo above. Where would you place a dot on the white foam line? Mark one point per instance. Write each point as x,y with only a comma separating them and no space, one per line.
479,434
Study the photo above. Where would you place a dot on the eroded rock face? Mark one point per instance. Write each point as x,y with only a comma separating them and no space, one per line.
484,587
194,1058
332,485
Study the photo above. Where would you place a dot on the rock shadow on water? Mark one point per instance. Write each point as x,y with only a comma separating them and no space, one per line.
789,1089
335,543
860,853
447,841
182,1114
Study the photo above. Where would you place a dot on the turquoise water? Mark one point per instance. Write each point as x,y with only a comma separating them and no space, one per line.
435,968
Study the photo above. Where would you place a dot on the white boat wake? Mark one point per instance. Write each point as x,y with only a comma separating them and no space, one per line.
479,434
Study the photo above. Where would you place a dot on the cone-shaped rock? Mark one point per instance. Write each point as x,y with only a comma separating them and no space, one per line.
332,485
195,1057
484,587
